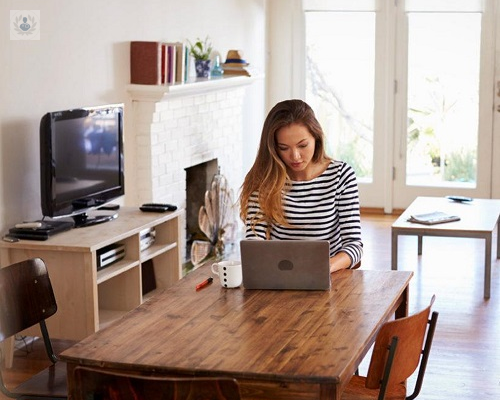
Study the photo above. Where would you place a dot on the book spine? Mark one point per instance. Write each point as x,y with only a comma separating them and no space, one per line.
171,63
163,67
187,66
180,67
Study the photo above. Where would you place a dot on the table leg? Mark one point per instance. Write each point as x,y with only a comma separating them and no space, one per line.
402,310
329,391
394,251
420,241
487,266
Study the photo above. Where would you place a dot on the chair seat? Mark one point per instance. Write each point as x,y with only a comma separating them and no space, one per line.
51,382
356,390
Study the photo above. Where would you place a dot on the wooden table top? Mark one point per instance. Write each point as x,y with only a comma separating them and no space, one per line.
271,336
479,215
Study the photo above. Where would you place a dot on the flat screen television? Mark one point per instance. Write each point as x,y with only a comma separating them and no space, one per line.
81,161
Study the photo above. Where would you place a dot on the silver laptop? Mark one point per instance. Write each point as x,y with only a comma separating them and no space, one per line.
285,264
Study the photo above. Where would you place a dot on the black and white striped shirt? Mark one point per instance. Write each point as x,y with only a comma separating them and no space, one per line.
324,208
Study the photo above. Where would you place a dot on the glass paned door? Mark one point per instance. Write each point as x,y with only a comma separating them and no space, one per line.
443,99
340,72
441,105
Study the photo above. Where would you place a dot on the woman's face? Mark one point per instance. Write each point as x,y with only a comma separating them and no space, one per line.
295,146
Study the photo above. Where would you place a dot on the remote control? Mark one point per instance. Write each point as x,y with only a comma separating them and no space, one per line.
29,225
460,199
109,207
157,207
10,239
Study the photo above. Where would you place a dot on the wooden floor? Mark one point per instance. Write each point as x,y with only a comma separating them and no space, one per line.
465,358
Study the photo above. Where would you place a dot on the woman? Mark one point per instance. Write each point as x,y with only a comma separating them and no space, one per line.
295,191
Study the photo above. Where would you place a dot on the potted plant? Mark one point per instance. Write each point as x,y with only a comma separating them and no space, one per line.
201,50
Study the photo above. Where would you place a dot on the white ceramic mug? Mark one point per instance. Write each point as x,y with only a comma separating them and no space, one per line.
229,273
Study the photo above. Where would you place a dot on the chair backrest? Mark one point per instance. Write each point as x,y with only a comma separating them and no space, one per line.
106,385
26,296
411,333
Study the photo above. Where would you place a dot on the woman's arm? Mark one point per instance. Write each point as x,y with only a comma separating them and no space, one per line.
349,222
340,261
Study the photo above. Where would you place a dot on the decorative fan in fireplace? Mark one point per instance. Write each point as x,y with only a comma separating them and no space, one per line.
217,221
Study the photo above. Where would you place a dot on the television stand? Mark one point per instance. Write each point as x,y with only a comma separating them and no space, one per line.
90,299
84,220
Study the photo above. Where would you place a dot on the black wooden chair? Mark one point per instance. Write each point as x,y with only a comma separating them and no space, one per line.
106,385
27,299
399,349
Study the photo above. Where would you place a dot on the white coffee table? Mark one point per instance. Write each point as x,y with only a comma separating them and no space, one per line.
478,219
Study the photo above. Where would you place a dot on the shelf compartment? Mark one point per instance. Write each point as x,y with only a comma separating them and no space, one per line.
107,317
166,268
115,269
122,292
155,250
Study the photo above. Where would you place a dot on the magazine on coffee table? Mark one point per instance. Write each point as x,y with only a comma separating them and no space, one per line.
433,218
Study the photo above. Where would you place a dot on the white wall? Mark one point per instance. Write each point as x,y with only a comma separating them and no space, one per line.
495,192
82,59
283,21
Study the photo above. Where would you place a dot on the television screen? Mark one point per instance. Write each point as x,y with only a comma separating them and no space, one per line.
81,157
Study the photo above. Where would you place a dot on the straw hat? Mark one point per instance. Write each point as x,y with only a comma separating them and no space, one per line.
234,59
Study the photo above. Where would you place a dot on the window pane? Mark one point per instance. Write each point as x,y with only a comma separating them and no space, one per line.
340,69
443,98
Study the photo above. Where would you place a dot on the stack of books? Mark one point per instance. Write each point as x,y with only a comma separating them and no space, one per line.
158,63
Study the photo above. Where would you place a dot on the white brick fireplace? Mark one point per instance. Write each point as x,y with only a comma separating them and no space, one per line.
180,126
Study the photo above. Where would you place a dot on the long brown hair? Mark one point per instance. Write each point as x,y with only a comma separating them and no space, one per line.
268,175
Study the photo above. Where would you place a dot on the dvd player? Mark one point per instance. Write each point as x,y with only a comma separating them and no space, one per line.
42,231
147,238
110,254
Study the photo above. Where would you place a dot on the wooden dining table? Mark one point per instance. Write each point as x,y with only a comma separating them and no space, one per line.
276,344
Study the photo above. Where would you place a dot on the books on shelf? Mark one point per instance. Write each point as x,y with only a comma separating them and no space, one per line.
158,63
433,218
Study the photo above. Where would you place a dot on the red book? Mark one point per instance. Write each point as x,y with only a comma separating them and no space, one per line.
146,63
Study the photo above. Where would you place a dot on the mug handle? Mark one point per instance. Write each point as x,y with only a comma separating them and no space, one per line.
213,270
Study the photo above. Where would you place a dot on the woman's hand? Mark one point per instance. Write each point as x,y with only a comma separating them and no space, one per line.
340,261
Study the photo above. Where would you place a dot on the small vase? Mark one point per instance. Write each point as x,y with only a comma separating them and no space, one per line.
217,70
202,68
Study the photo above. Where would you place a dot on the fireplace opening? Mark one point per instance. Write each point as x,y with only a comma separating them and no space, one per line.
211,220
198,180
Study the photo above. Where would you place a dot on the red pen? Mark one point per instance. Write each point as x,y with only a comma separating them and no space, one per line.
206,282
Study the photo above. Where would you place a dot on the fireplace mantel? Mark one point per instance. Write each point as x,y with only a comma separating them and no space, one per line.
157,93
